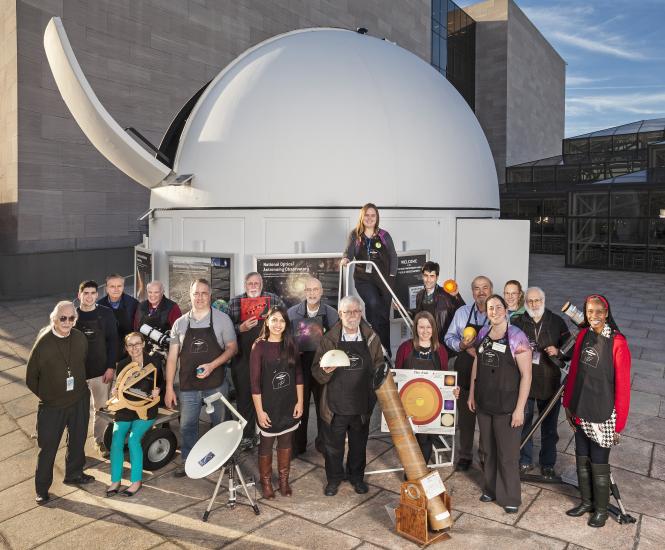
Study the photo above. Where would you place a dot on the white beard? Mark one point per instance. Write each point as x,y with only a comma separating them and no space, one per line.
535,313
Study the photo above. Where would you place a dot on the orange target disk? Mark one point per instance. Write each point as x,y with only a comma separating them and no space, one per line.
422,400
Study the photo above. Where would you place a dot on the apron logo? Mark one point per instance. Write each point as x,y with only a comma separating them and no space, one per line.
590,357
199,346
355,362
281,380
490,359
89,333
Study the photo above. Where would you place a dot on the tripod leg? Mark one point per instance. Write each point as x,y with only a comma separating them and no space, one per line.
214,495
244,486
232,486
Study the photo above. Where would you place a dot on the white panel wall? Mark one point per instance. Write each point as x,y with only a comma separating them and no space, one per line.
318,233
498,249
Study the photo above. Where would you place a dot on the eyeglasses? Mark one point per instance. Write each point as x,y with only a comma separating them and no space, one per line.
135,344
352,312
535,301
63,318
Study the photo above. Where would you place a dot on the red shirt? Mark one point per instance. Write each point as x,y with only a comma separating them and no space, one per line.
621,360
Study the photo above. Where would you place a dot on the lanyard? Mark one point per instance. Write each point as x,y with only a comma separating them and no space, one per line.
69,353
536,333
369,244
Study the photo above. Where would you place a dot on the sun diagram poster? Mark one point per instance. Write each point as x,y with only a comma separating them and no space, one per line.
427,396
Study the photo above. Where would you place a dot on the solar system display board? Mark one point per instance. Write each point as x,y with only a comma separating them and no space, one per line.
427,396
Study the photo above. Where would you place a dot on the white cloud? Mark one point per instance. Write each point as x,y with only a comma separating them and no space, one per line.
597,45
643,104
574,80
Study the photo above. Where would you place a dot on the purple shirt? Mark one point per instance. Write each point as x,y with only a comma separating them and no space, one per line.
518,341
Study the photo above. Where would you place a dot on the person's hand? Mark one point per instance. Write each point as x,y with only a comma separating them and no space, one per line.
169,398
328,370
263,419
569,418
155,393
518,418
471,403
114,391
551,351
471,351
249,324
108,376
207,370
345,261
297,410
456,392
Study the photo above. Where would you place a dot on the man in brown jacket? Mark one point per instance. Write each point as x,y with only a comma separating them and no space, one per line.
347,398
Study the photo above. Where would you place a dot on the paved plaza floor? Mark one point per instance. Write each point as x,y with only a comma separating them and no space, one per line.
166,513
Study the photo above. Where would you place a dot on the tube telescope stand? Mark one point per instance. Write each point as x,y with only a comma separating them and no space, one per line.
232,468
618,513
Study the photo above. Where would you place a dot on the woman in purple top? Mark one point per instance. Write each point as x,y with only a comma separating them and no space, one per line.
500,384
277,391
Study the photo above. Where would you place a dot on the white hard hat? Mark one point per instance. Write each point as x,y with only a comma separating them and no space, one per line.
335,358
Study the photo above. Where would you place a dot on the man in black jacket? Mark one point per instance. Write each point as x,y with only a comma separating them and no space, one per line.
157,311
437,301
100,328
547,332
124,308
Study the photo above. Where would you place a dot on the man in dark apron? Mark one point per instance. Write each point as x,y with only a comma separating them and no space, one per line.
347,399
99,326
203,340
306,318
474,316
248,325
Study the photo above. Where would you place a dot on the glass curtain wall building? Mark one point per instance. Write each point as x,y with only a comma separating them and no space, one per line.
601,202
454,47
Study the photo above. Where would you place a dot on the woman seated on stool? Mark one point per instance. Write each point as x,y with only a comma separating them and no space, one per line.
423,352
277,390
596,399
500,384
127,421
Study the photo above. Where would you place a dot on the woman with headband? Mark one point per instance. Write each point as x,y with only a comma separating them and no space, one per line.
596,399
500,383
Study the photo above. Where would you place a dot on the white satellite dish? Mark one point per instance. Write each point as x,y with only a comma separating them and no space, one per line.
213,449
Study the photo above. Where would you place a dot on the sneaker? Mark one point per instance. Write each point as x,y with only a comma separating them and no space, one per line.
84,479
548,472
331,488
179,471
525,468
42,499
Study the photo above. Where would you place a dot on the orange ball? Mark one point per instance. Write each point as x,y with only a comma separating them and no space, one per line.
450,286
469,333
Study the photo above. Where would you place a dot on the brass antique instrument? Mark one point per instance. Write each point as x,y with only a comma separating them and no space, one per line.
127,396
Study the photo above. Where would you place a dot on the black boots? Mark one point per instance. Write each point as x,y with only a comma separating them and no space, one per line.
594,485
584,485
601,494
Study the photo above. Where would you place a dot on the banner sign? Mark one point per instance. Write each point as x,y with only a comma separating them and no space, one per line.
142,272
185,267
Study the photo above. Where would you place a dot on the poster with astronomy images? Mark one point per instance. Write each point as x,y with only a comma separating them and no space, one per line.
428,398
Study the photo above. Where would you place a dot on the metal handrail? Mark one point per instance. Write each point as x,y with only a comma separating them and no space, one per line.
400,308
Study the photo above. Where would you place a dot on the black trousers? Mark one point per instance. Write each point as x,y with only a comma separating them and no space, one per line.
378,302
425,442
245,405
466,426
500,446
51,423
334,435
310,388
587,447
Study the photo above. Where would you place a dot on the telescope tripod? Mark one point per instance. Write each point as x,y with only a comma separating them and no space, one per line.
232,468
619,514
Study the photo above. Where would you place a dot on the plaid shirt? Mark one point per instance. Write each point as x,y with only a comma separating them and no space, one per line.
234,306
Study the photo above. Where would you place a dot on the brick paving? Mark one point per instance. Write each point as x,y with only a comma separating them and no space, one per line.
166,513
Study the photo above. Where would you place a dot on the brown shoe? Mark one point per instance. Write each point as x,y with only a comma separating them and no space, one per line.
283,468
265,473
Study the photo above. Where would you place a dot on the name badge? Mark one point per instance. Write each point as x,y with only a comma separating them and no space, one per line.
70,383
501,348
368,268
535,357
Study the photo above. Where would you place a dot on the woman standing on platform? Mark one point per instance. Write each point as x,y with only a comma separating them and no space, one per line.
368,242
127,421
514,297
423,352
597,399
277,391
500,383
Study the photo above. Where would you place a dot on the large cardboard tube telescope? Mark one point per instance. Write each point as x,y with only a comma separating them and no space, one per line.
407,446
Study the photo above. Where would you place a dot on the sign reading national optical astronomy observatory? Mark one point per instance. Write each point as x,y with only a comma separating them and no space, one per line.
286,275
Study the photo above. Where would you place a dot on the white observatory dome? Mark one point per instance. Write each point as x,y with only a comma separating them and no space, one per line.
330,118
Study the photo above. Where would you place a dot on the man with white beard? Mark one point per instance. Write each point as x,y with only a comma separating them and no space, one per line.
547,332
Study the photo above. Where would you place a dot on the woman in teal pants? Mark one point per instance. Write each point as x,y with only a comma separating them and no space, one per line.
127,421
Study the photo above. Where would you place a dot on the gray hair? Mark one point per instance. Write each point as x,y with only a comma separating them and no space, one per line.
537,289
347,301
253,274
155,283
56,310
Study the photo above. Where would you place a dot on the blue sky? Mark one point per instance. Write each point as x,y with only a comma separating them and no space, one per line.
615,55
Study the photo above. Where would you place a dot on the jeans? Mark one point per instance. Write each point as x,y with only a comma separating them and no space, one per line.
100,393
191,402
549,435
137,429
